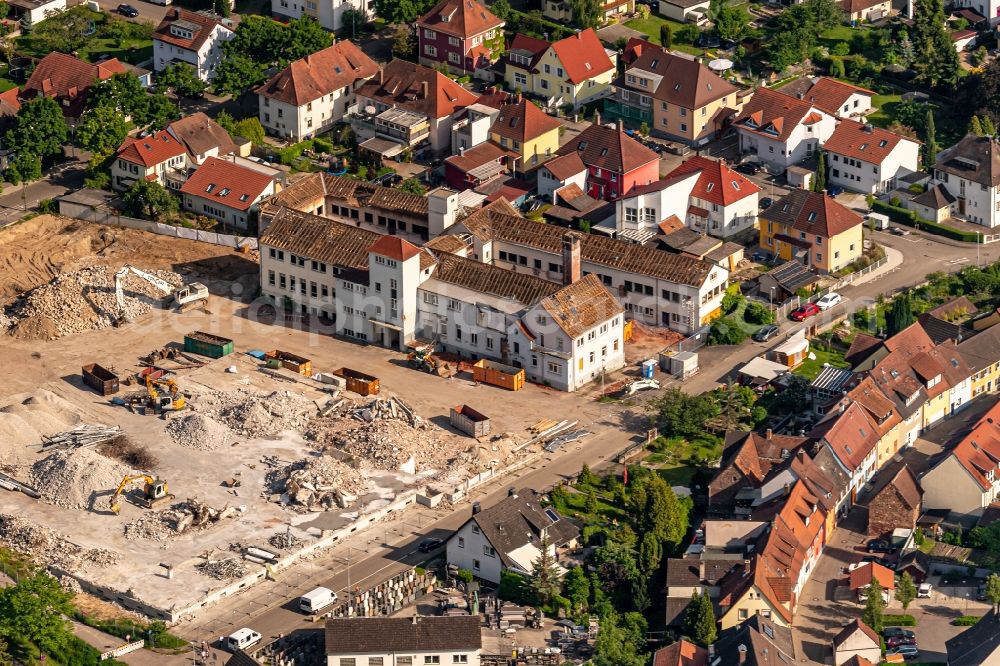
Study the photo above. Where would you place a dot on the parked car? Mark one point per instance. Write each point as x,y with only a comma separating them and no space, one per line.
128,10
427,545
765,333
880,546
749,168
924,591
828,301
766,203
909,652
878,560
803,312
890,632
834,190
897,641
899,231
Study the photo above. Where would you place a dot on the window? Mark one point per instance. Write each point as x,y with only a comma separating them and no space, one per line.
474,338
430,34
432,659
554,368
520,79
454,57
461,542
374,661
489,551
348,661
454,41
429,50
475,567
460,659
475,529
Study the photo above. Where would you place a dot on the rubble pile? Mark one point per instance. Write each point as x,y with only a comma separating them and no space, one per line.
199,431
70,584
48,546
227,569
284,540
257,413
182,517
82,301
317,484
75,478
150,526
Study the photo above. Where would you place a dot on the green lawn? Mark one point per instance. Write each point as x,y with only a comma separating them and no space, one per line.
679,475
651,28
5,83
886,105
811,368
132,51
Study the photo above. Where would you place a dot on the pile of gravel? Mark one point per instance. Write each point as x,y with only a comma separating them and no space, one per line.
200,431
75,479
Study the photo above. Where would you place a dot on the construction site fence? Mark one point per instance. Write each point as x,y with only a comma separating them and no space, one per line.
87,214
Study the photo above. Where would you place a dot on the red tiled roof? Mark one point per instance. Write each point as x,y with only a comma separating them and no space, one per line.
523,121
824,93
582,56
205,24
320,74
881,411
850,434
402,84
959,35
494,97
863,575
477,156
151,150
863,142
394,247
609,148
979,451
685,81
61,75
812,212
681,653
635,48
9,102
462,18
717,183
771,109
855,6
226,183
565,166
671,224
858,660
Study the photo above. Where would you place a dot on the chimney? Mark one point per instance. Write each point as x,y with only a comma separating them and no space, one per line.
868,128
767,434
476,508
381,76
414,620
571,258
621,125
597,117
742,649
512,492
801,455
787,488
461,150
424,88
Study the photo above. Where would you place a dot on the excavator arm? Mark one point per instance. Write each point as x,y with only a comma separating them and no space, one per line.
127,479
155,490
162,285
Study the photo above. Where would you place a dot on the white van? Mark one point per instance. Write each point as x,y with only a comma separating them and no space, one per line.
315,601
242,639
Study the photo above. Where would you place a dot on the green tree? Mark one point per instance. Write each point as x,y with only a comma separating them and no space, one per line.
616,564
304,36
586,13
615,646
39,128
906,590
576,586
731,21
148,199
900,316
935,59
181,79
226,122
122,92
258,38
874,606
545,574
930,141
237,74
25,168
353,21
819,182
403,43
993,589
650,553
680,414
64,31
501,9
402,11
413,186
657,510
251,130
35,610
975,127
837,68
101,131
666,36
586,477
989,129
699,619
158,112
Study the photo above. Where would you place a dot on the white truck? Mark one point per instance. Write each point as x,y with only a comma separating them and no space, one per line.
315,601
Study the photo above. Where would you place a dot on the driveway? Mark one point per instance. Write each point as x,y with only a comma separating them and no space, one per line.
148,11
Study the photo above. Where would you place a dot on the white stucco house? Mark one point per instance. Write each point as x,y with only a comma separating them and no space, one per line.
780,130
226,191
970,171
394,641
722,202
868,159
188,37
329,13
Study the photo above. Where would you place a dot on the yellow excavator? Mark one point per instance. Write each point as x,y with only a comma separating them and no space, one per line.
170,400
154,491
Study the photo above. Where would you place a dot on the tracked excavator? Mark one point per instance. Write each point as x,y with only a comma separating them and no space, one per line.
154,492
185,298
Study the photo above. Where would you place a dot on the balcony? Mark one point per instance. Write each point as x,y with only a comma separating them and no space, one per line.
630,114
397,125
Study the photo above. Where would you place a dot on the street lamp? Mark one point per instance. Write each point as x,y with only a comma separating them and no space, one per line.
772,298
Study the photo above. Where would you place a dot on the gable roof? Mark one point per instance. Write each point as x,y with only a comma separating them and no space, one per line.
579,307
862,576
681,653
582,56
462,18
200,25
199,134
523,121
362,635
416,88
518,520
825,93
975,158
717,183
523,288
527,47
316,237
881,410
863,142
565,166
774,115
903,484
500,221
812,212
976,645
766,643
479,155
63,76
979,451
935,197
862,347
9,102
755,454
686,82
850,433
319,74
151,150
227,183
853,628
394,247
609,148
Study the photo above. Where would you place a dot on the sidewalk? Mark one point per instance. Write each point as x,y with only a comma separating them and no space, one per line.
894,259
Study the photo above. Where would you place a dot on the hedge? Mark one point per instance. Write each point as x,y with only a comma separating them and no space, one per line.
899,621
966,620
911,219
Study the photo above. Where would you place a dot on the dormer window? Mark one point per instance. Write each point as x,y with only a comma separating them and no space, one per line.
224,192
211,186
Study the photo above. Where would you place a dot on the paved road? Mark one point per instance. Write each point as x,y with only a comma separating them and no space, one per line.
16,200
148,12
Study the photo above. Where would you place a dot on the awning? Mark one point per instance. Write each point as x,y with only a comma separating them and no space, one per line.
383,147
382,324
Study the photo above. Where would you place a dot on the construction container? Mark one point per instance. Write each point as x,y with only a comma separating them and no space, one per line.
679,364
207,344
100,379
470,421
358,382
289,361
498,374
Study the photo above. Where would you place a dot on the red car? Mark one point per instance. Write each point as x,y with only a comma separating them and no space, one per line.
803,312
896,641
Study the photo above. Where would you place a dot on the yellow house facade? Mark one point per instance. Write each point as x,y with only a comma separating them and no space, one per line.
751,602
533,151
814,229
574,70
524,129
